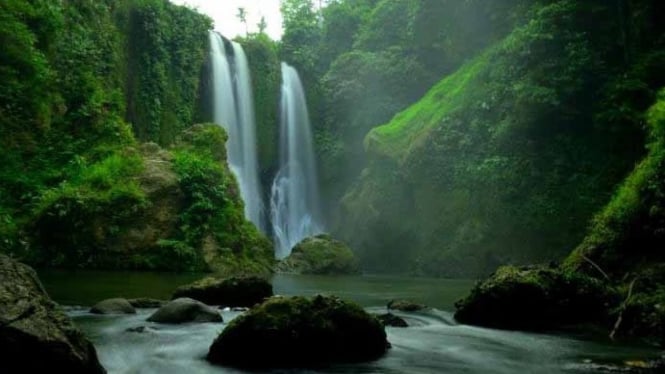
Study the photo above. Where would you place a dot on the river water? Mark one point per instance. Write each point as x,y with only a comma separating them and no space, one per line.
433,343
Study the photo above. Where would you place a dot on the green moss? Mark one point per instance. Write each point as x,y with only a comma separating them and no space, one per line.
213,215
395,138
534,298
501,154
629,229
264,65
73,220
299,332
320,254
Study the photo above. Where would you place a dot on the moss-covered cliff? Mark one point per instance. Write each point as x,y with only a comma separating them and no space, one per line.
83,84
505,160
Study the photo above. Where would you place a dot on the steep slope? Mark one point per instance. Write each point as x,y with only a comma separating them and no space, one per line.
83,83
507,159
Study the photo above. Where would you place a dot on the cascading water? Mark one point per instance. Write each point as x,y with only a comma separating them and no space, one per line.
234,110
294,201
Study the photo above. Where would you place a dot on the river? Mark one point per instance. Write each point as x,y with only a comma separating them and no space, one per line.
433,343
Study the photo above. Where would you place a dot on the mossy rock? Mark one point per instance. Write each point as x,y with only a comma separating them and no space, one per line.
299,332
536,298
405,306
185,310
241,291
113,306
320,254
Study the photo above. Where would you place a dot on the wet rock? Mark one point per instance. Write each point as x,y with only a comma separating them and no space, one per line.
405,306
389,319
184,310
146,303
35,335
241,291
299,332
536,298
137,329
320,254
113,306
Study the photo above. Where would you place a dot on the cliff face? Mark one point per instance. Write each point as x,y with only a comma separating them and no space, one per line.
508,158
86,83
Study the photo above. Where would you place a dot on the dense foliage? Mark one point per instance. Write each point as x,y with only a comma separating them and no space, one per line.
82,82
507,158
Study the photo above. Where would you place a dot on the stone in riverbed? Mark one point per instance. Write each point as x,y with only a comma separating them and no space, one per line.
299,332
389,319
320,254
536,298
145,303
113,306
184,310
35,335
405,306
240,291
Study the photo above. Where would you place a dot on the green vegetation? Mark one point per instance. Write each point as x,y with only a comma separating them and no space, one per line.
82,81
630,230
299,332
320,254
506,159
213,218
264,64
165,47
536,298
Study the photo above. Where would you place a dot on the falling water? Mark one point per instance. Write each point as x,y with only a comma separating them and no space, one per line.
294,201
234,110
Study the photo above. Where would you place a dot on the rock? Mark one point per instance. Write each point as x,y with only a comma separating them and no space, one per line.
113,306
35,335
536,298
242,291
389,319
146,303
137,329
185,310
320,254
405,306
299,332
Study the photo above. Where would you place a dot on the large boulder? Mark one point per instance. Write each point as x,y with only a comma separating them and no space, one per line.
185,310
320,254
113,306
241,291
535,298
299,332
35,335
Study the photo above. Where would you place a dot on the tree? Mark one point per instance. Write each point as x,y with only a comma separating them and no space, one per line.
242,16
262,25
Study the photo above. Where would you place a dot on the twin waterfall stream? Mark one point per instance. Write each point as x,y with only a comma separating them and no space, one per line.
294,197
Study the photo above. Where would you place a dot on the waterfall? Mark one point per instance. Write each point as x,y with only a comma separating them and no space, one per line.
294,201
233,108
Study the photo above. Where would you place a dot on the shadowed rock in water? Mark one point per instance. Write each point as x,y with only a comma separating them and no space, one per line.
113,306
35,335
241,291
185,310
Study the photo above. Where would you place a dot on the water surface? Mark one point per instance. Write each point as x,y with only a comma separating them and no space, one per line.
434,342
